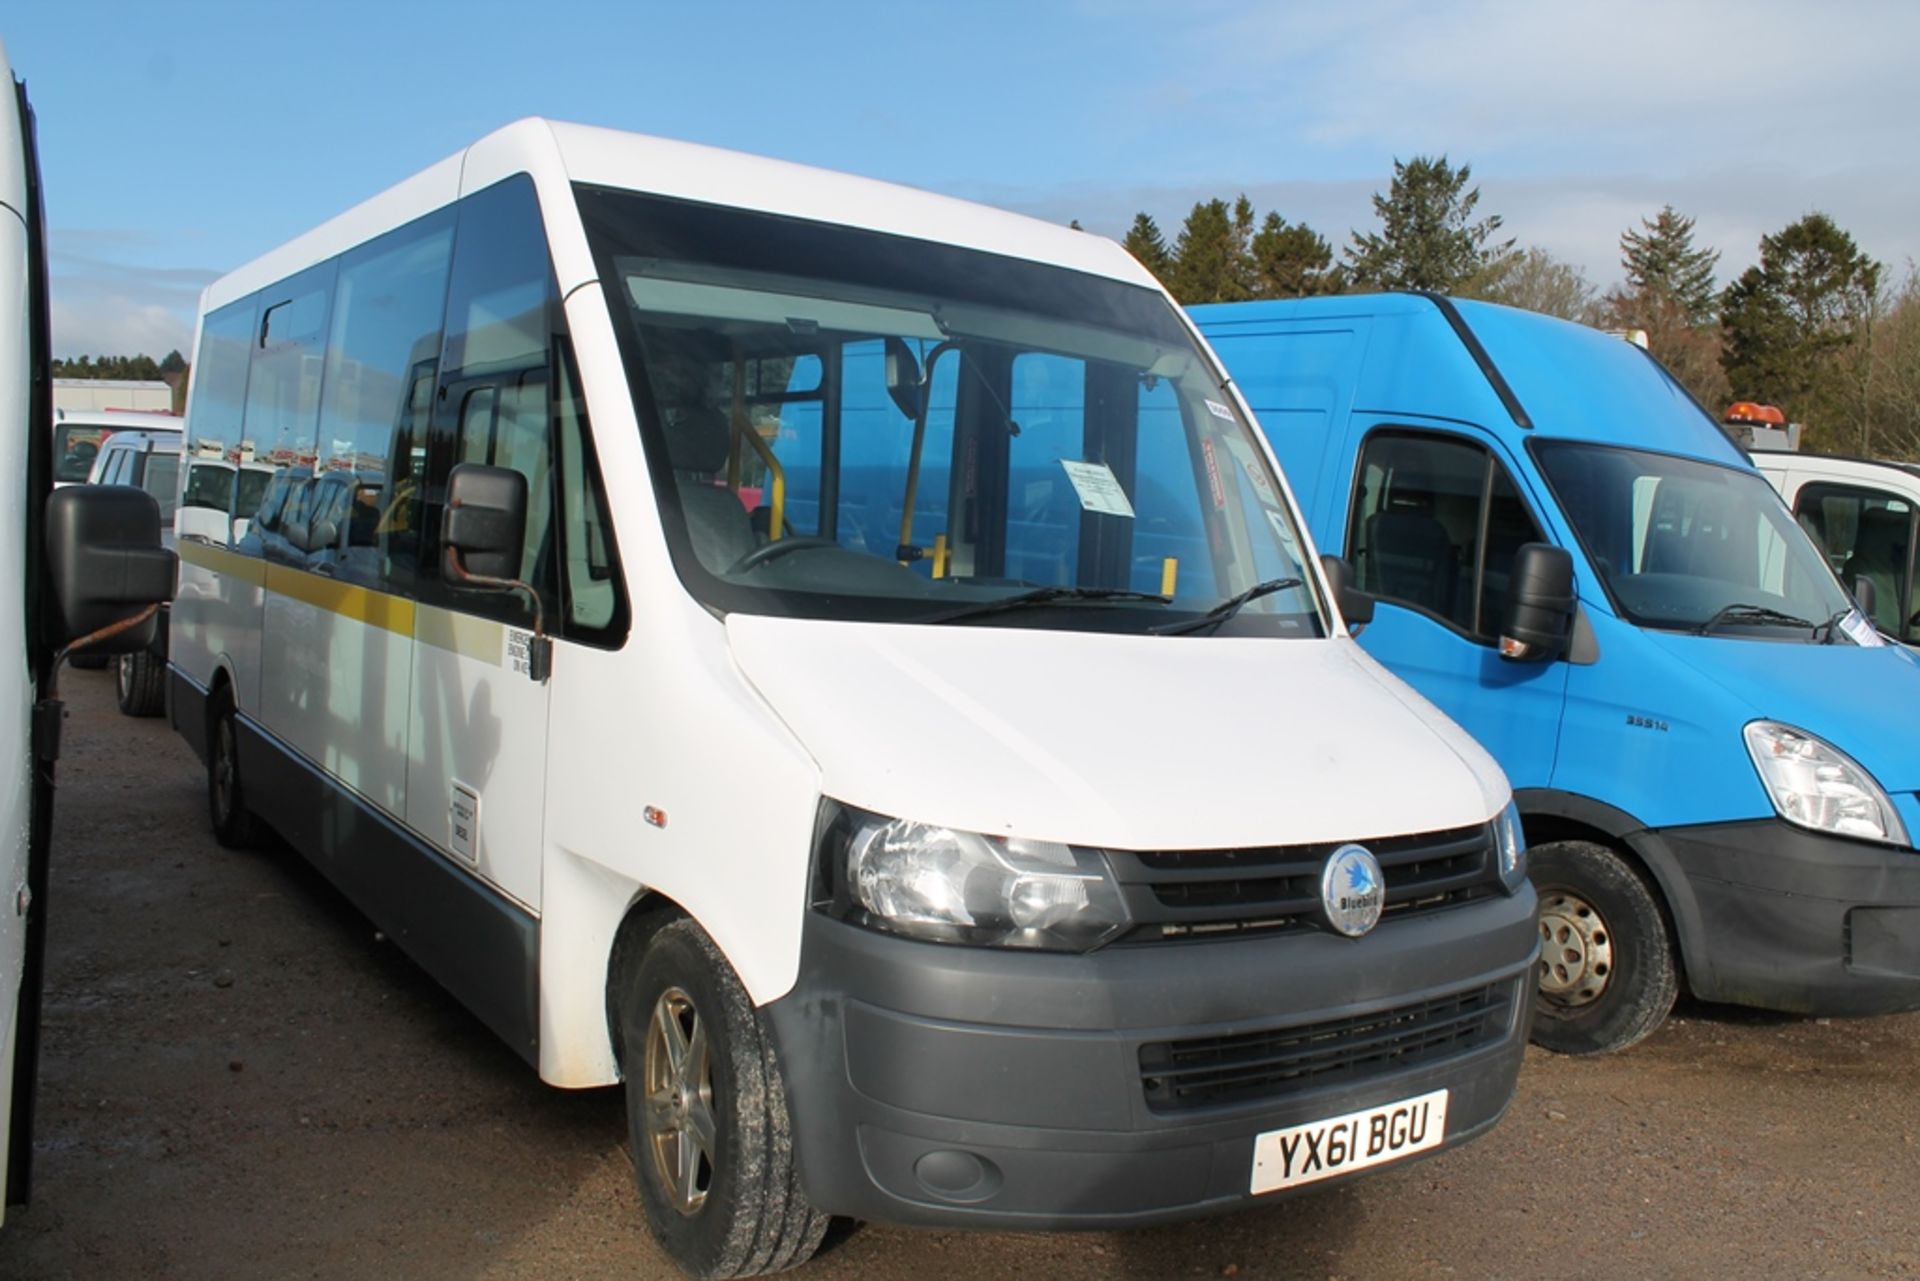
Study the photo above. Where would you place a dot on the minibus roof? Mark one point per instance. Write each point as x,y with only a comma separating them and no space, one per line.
1561,380
559,154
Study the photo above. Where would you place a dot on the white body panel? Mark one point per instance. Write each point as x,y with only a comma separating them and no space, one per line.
1127,742
16,680
733,731
1790,473
479,729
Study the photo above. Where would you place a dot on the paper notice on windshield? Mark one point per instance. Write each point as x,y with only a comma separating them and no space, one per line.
1098,488
1860,631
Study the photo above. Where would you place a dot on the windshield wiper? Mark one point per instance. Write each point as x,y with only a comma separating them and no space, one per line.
1739,613
1829,631
1040,596
1225,609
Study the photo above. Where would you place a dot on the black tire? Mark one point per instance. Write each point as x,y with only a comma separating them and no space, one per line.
140,684
739,1211
234,825
89,662
1607,976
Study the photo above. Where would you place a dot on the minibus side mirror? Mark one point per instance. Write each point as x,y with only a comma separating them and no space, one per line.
109,571
1355,605
1539,614
485,526
1864,595
903,377
483,533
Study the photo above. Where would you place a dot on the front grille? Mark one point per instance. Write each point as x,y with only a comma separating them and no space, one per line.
1192,894
1216,1071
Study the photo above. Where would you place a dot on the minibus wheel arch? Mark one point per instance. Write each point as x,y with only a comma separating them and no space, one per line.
646,916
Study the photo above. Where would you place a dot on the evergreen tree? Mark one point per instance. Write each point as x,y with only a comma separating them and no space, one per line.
1149,247
1211,259
1793,318
173,363
1662,258
1292,260
1429,238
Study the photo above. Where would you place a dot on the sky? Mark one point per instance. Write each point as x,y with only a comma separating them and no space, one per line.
179,141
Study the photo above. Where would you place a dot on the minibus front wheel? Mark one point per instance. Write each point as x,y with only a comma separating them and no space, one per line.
712,1143
1607,975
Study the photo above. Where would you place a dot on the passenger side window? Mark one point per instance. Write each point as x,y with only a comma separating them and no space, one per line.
1870,534
595,608
384,340
492,406
215,437
1435,525
283,390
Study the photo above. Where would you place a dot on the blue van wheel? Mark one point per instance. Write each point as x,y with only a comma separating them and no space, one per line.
1607,975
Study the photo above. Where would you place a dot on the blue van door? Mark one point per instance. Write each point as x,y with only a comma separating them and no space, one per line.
1431,524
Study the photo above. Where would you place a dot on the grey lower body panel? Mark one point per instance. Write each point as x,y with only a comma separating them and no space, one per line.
941,1085
1800,921
479,945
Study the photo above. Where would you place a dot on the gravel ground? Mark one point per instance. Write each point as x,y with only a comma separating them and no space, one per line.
241,1080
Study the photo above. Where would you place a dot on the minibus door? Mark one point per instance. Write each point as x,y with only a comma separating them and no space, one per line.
1434,521
477,743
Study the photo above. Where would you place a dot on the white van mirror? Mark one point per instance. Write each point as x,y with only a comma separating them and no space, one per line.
1355,605
109,571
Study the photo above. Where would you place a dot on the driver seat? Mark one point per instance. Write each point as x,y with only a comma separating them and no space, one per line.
718,526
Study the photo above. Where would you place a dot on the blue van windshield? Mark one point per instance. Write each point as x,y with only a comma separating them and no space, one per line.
1686,545
866,427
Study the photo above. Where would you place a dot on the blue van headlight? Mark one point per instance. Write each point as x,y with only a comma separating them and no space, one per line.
1815,785
931,882
1510,847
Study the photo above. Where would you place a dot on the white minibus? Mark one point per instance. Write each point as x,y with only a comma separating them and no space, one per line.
840,661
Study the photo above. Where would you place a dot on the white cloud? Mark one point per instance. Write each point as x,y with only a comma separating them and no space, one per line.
104,306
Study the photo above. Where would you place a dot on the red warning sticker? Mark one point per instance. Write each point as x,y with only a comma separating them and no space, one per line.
1213,474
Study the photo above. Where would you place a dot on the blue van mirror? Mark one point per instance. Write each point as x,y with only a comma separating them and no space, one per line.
1539,613
1355,605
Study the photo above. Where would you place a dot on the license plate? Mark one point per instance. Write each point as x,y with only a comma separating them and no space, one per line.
1342,1144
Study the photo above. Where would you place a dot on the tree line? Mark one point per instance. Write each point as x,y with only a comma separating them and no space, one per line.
170,369
1816,326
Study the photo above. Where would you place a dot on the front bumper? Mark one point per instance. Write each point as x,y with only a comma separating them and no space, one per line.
1799,921
945,1085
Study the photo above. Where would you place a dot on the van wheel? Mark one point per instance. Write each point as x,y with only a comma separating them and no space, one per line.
139,682
707,1115
234,825
1607,975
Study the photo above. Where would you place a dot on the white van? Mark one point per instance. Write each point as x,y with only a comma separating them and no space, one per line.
842,661
79,435
1864,514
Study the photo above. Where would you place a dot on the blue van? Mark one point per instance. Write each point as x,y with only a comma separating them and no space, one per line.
1712,748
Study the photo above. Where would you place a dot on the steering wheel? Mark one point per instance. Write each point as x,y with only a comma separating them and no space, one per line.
773,551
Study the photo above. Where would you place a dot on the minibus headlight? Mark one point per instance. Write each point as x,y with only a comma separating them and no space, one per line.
932,882
1815,785
1510,847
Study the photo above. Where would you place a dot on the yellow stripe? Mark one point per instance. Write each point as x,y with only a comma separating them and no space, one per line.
362,605
463,634
221,561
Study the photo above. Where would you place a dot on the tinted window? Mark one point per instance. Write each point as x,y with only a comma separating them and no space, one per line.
383,345
283,394
495,380
1436,522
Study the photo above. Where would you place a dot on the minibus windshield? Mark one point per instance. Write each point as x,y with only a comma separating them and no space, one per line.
1692,546
861,426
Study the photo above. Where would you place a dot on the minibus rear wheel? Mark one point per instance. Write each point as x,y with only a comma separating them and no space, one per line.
1607,975
712,1143
234,825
